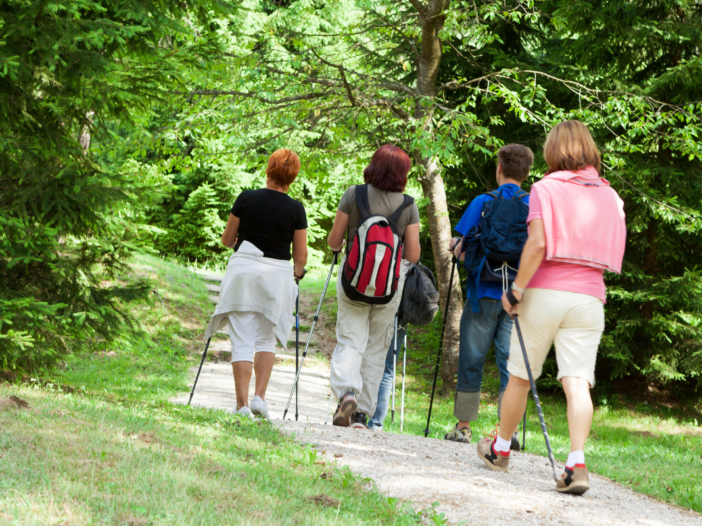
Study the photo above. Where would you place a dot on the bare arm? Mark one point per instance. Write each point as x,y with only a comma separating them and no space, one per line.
231,231
338,231
299,251
457,244
412,248
532,256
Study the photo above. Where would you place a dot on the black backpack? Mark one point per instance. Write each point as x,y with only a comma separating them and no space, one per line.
493,248
420,298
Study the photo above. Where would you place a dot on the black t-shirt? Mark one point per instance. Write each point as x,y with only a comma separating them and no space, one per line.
268,219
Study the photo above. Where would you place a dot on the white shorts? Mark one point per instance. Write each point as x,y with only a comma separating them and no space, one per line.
250,332
573,321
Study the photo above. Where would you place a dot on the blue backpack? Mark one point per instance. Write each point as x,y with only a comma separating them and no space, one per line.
493,248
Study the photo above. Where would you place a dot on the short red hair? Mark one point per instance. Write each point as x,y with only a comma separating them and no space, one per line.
283,167
388,169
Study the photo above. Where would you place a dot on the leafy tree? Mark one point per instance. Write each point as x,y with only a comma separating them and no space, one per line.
451,81
67,71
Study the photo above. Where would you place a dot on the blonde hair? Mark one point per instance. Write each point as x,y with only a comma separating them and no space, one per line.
569,146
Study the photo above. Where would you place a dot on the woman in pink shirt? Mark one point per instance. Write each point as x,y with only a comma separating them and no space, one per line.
577,230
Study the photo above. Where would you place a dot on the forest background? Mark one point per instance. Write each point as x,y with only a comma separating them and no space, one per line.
131,126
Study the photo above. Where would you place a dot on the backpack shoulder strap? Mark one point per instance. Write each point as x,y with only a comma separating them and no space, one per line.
520,194
395,217
495,194
362,201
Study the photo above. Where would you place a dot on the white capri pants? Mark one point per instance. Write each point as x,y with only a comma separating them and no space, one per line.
250,333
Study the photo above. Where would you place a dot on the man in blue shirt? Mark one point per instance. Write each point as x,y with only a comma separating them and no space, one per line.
492,324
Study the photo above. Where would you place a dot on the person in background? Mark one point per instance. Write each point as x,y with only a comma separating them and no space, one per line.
258,290
479,330
365,331
577,230
385,388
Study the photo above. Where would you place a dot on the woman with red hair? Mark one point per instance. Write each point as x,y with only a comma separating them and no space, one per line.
258,290
364,330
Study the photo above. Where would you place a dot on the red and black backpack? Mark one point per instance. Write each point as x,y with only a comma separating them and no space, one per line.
372,268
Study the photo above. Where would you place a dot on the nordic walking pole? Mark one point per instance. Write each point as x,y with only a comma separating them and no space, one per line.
309,337
402,400
441,343
297,342
326,419
524,432
394,370
536,398
204,355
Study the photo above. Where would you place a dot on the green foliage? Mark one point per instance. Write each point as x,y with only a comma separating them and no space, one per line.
183,110
68,70
334,81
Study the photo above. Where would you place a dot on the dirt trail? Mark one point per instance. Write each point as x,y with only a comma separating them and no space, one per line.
215,388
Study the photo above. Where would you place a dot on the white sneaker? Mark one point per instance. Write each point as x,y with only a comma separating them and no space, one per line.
245,412
259,407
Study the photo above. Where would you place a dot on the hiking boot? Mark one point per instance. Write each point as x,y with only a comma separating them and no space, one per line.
347,407
259,407
515,440
359,421
494,460
575,480
459,435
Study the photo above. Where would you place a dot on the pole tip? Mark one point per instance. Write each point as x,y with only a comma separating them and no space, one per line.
285,414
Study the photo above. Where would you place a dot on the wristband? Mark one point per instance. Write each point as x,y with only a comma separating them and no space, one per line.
511,297
514,287
304,271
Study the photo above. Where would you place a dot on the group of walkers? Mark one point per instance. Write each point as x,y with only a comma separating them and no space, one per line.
556,243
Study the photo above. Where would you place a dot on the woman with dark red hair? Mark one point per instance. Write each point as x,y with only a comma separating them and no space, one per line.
364,329
258,290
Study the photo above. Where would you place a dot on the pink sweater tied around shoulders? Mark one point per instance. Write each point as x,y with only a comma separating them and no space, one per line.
583,219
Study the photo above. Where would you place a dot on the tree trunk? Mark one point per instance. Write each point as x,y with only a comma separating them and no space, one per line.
431,20
440,232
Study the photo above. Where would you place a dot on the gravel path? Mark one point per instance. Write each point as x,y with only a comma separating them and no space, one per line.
425,470
215,389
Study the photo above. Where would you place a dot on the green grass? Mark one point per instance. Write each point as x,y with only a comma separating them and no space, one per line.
86,460
117,452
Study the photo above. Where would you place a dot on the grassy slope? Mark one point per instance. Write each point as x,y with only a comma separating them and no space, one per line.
119,453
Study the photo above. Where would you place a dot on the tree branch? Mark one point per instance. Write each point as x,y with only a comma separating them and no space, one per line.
421,9
352,99
214,92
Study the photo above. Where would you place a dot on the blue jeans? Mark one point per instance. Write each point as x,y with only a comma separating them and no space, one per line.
478,332
385,389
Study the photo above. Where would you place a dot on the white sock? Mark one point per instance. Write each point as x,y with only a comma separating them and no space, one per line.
502,445
575,457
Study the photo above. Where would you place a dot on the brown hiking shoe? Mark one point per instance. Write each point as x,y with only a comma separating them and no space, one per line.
462,435
347,407
495,461
575,480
